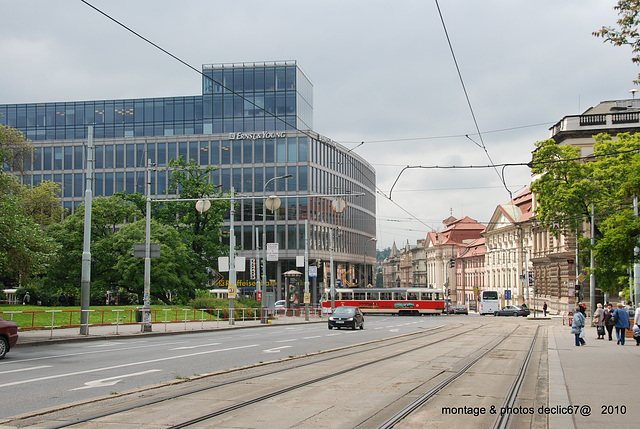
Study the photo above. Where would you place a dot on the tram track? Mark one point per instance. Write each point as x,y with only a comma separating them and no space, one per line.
336,365
502,419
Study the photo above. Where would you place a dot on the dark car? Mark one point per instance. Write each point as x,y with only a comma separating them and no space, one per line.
8,336
458,309
512,310
346,317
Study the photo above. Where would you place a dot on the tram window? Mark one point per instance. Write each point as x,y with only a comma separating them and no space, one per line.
400,296
428,296
385,296
360,295
346,296
373,296
412,296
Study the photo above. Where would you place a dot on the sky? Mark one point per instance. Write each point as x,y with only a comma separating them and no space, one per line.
385,81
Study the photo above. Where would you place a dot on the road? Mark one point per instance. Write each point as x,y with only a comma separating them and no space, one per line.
34,378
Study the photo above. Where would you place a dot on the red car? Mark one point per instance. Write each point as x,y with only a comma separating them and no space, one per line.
8,336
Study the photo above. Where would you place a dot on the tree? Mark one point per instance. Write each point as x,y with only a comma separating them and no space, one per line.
172,277
627,32
568,185
24,249
107,216
200,231
42,203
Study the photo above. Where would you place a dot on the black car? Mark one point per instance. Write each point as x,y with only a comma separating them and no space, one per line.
458,309
346,317
512,310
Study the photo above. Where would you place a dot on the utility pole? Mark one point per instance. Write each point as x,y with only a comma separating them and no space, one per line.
85,285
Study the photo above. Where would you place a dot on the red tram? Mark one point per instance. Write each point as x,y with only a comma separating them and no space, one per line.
401,301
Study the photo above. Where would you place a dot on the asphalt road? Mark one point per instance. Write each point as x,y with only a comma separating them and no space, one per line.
34,378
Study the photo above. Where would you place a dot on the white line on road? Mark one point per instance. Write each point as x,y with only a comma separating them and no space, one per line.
311,338
276,349
286,341
195,347
112,380
25,369
89,371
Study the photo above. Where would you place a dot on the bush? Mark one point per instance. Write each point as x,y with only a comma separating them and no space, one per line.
208,302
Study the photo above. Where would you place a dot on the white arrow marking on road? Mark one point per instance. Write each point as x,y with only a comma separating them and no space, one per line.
25,369
112,380
276,349
142,362
195,347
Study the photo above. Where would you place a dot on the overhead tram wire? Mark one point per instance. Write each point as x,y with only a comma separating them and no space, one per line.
306,133
464,88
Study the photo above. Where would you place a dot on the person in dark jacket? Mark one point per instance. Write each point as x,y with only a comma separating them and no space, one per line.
608,320
621,316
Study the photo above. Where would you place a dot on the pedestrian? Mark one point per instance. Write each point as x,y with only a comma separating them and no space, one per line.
621,319
636,326
577,327
26,299
583,309
608,320
598,320
544,309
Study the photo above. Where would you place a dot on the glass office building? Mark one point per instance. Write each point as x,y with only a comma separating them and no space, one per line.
253,121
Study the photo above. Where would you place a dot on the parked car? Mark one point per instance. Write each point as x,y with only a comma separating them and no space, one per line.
8,336
458,309
280,306
345,316
512,310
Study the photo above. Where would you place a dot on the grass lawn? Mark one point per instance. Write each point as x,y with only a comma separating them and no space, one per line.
34,317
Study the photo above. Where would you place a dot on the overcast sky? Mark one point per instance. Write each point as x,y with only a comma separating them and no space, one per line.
382,71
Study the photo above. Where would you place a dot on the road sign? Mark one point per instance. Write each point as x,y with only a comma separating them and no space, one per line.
307,298
507,294
232,291
139,250
313,271
272,252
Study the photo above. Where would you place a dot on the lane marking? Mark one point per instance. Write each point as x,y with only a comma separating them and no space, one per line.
111,380
286,341
276,349
89,371
195,347
25,369
310,338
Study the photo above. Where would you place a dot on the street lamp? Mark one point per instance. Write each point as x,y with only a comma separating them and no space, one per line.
274,203
366,272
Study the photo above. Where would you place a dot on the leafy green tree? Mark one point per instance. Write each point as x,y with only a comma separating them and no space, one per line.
65,274
566,188
172,280
42,203
24,248
200,231
627,33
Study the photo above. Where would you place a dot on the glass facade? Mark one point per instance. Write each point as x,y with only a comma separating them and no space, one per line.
252,121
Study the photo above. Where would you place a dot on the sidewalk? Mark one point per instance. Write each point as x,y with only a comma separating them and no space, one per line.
51,336
598,379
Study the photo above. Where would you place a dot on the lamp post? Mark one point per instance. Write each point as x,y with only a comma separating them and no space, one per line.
275,204
366,272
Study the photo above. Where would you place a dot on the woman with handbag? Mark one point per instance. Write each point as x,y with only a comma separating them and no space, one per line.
577,326
598,320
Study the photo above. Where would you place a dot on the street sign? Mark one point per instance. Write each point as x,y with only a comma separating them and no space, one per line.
272,252
313,271
139,250
507,294
307,298
232,291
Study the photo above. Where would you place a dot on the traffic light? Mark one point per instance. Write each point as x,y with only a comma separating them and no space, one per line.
570,261
452,263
